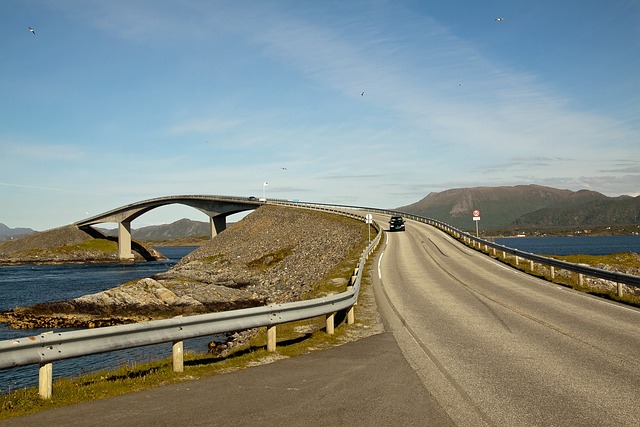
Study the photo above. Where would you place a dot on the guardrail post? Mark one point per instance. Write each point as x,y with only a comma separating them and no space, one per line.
271,338
331,323
580,280
517,260
531,265
552,272
619,289
45,380
351,314
178,356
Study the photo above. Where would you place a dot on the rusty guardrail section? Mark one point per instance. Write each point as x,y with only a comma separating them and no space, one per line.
44,349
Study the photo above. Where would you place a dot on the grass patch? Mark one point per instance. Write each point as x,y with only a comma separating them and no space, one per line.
592,286
625,260
293,339
270,259
101,245
212,259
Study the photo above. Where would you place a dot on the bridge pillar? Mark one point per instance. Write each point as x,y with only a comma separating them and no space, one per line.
218,224
124,241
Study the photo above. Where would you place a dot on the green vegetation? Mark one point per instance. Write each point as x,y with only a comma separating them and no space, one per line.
625,260
217,258
270,259
293,339
601,288
102,245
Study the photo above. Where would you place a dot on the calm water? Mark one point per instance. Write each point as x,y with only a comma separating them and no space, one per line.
587,245
27,285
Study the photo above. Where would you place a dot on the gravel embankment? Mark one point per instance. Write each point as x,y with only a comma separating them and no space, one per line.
273,255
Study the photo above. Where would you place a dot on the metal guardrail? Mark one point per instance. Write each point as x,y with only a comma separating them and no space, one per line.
620,278
46,348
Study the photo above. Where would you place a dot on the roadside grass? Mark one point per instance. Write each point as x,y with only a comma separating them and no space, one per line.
596,287
293,339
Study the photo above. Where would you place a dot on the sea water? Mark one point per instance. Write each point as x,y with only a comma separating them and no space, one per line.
26,285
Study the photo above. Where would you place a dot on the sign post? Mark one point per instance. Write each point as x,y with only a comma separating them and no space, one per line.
476,217
369,218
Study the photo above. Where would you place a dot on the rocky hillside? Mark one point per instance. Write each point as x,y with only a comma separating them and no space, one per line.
273,255
527,206
69,244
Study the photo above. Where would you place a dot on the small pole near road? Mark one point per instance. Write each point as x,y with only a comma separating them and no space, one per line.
476,217
369,218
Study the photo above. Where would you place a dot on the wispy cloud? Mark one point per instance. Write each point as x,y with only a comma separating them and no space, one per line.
204,125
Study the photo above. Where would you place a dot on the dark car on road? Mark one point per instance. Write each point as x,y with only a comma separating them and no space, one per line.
396,223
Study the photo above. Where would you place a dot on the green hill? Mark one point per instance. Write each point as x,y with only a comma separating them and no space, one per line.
527,207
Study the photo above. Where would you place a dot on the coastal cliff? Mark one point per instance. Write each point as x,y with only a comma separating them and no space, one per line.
273,255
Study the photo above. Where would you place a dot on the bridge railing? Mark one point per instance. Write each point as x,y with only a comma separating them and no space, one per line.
46,348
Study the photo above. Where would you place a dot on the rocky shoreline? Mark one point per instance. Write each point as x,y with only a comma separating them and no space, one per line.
273,255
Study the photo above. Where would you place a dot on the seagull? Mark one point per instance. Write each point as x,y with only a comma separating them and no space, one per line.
32,30
284,169
362,94
499,19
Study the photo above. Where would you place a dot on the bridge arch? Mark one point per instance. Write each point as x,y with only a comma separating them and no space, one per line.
217,208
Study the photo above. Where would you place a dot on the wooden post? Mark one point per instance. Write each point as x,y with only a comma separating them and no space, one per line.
178,356
330,323
351,313
45,380
271,338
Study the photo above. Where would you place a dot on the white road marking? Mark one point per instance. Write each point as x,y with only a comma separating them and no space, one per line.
379,261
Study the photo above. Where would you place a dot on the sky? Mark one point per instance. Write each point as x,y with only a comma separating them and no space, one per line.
369,103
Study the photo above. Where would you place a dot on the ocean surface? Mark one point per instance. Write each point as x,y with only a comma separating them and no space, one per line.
31,284
587,245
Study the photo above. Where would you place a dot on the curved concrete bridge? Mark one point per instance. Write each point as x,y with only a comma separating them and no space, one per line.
217,208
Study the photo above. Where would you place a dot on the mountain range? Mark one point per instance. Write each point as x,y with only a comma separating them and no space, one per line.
527,207
176,230
7,233
521,207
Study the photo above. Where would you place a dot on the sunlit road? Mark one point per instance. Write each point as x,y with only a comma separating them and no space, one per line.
497,347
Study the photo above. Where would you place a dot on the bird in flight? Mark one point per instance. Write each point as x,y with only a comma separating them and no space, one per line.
32,31
362,94
499,19
284,169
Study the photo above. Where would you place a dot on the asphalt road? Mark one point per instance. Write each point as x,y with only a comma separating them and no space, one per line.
497,347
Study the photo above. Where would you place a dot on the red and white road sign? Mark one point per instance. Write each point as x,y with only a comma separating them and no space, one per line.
476,215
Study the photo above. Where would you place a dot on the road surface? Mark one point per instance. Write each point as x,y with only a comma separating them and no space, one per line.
497,347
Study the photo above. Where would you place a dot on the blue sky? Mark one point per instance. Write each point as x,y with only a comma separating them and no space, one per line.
112,102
